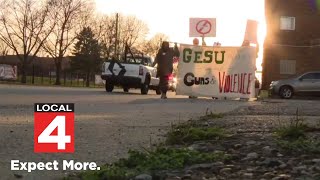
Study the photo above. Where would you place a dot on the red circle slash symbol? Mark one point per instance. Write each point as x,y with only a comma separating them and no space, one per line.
203,27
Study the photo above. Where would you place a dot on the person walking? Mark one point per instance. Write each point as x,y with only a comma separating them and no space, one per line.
164,60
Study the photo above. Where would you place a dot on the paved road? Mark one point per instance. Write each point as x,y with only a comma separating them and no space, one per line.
106,124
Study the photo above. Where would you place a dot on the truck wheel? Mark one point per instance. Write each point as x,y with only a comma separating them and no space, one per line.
125,89
109,86
144,89
145,85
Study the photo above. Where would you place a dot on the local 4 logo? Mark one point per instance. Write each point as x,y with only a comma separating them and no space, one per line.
53,128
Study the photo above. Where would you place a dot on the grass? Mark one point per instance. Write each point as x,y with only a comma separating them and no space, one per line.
151,162
165,158
294,130
301,145
186,134
210,115
294,138
291,132
192,131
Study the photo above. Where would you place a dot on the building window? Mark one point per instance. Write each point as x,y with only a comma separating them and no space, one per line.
287,23
287,67
309,76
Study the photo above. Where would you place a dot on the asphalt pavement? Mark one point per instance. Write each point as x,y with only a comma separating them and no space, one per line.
107,125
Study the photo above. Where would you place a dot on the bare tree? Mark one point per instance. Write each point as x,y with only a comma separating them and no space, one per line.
152,46
24,27
104,28
133,32
4,49
67,20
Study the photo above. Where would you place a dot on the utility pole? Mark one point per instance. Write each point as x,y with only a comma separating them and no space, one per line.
116,43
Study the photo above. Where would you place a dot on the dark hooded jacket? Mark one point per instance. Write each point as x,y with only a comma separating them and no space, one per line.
164,59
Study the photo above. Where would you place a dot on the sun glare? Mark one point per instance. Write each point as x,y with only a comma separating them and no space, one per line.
171,17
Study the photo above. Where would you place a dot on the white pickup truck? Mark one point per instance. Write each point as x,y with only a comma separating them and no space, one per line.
136,72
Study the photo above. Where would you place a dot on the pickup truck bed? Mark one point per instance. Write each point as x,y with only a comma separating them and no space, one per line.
130,75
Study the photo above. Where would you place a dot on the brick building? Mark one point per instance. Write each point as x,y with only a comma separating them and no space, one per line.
292,44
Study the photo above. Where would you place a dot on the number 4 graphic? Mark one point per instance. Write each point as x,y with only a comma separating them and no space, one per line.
61,138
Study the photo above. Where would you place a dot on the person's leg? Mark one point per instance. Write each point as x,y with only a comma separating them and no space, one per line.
163,86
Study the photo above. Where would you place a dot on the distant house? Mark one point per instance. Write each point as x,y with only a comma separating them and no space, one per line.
292,44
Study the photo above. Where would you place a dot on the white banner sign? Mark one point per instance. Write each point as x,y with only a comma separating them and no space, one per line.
8,72
202,27
216,71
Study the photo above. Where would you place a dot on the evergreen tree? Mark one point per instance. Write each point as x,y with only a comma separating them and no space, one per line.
86,54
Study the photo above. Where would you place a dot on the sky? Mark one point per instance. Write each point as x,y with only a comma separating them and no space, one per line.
171,17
